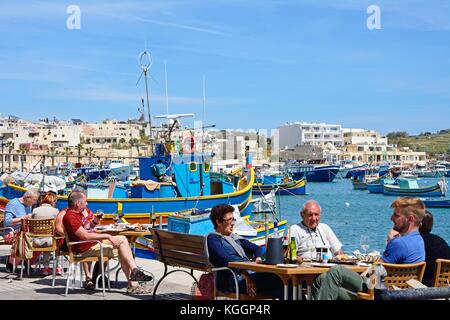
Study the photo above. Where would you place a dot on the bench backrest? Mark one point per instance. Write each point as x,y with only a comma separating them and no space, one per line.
181,249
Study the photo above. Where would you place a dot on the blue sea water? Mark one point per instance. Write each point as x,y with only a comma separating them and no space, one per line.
353,213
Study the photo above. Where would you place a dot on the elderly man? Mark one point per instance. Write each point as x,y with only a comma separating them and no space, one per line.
74,227
20,208
310,234
405,245
16,210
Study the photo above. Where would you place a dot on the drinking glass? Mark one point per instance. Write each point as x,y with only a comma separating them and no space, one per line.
116,219
312,250
364,243
100,213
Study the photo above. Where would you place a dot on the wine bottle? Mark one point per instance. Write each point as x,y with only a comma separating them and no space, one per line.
293,250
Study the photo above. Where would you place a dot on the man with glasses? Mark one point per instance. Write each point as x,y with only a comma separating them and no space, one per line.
224,246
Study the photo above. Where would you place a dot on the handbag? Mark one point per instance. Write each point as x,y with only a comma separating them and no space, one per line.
22,245
204,290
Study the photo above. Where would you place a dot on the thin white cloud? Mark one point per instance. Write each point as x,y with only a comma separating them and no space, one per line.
182,26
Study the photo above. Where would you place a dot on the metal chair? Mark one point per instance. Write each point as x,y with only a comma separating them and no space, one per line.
397,277
442,273
75,259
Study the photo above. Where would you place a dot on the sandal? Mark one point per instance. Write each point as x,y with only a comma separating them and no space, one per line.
138,289
89,285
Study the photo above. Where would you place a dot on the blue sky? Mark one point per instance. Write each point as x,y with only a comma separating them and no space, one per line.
265,62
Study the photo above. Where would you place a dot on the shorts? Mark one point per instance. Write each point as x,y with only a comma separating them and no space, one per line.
108,249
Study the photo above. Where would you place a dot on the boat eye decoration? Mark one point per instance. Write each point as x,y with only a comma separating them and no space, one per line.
193,166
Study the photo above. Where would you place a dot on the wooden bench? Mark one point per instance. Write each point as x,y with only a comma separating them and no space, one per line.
190,252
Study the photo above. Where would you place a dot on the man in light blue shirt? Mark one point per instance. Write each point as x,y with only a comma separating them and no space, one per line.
19,208
405,246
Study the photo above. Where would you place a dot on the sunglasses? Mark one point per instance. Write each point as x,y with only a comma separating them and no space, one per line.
229,220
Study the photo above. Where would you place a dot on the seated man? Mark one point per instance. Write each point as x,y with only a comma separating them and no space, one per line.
75,229
340,283
310,234
225,246
16,210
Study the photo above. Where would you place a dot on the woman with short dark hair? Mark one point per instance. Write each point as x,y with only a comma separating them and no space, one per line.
435,248
224,246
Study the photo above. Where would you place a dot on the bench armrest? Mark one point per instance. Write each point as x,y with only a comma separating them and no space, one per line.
236,284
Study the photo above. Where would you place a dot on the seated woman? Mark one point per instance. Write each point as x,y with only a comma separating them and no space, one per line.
224,246
435,248
46,210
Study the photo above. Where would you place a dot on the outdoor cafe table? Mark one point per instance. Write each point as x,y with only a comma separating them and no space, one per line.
304,272
131,236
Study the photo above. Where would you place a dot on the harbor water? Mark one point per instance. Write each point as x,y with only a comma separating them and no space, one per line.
353,213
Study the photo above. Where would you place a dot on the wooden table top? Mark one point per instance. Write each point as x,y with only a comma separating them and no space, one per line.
126,233
303,269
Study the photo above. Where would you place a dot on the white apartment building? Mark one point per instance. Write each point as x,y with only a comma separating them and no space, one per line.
230,145
362,136
108,132
304,133
52,135
58,135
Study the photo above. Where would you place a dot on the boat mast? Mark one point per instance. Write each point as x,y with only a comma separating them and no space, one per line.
146,61
203,117
167,90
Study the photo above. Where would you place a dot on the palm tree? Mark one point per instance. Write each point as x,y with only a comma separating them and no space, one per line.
134,143
66,153
79,148
10,145
52,154
23,150
90,153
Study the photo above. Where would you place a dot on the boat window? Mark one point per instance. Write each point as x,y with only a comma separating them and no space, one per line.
207,167
192,166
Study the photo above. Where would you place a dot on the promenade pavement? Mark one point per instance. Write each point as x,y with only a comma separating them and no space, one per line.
38,287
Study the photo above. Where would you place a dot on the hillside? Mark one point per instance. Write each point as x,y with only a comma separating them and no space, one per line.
432,143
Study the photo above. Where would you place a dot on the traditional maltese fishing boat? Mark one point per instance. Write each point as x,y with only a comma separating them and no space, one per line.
405,187
437,203
297,187
168,183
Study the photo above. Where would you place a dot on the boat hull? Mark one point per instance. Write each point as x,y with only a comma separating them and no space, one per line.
375,188
431,191
320,174
359,185
437,203
298,187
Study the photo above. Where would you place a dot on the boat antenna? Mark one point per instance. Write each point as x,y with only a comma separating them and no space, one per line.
167,91
203,116
145,61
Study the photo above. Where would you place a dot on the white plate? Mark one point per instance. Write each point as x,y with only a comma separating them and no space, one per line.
323,265
288,265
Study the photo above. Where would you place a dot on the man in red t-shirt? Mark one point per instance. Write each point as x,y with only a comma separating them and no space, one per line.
74,227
